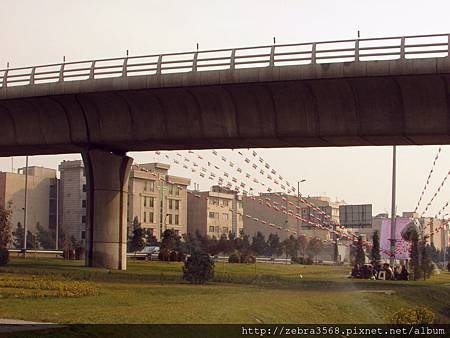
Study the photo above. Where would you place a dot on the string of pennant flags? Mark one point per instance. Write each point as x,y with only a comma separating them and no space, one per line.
229,181
203,172
435,194
428,179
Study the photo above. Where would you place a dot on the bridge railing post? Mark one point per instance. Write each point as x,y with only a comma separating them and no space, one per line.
313,53
61,70
92,71
124,65
158,65
402,47
32,75
357,50
233,59
272,57
5,76
448,45
194,62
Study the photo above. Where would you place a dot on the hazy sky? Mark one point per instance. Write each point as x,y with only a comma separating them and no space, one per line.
38,32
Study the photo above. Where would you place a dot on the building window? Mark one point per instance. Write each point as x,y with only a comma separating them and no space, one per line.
177,192
83,234
225,203
84,187
170,189
151,186
83,203
145,217
225,230
177,205
211,214
145,201
225,217
217,228
151,203
170,204
211,228
177,219
170,218
83,219
213,201
151,217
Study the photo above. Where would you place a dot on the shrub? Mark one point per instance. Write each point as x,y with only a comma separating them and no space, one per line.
4,256
173,257
80,252
181,256
302,260
419,315
249,259
234,258
198,268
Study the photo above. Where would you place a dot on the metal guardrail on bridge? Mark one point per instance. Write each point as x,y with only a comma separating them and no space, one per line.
399,47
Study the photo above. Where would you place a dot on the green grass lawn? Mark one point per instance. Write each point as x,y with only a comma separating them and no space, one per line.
153,292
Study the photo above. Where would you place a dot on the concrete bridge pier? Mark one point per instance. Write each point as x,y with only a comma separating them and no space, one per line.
107,195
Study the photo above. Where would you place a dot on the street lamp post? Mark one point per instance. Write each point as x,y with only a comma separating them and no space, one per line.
393,213
25,227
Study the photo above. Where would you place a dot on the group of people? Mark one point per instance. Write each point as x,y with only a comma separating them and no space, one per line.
372,271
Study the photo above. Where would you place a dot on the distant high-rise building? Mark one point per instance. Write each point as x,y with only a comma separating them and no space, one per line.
157,199
73,199
215,212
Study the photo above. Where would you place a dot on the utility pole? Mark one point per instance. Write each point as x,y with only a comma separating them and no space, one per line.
25,230
393,213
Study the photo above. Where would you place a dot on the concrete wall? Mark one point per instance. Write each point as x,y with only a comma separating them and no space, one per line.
341,104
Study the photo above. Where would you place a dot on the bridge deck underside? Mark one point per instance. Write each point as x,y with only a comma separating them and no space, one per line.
340,111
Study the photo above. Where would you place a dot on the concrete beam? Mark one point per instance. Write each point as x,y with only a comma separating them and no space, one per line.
107,196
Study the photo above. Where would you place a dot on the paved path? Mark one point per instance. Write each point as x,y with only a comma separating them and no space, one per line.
14,325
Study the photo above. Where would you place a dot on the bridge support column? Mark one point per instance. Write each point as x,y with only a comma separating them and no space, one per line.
107,196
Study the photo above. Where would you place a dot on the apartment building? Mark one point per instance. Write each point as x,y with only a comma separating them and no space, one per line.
41,196
215,212
257,207
73,199
157,199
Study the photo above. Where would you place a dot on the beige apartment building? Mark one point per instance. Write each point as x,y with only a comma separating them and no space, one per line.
73,199
215,212
157,199
41,196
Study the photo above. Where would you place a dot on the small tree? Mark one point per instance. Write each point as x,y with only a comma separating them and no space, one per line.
415,262
335,252
170,242
44,237
259,245
315,246
137,242
302,243
18,236
5,234
426,262
375,253
150,239
274,247
360,255
198,268
290,246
